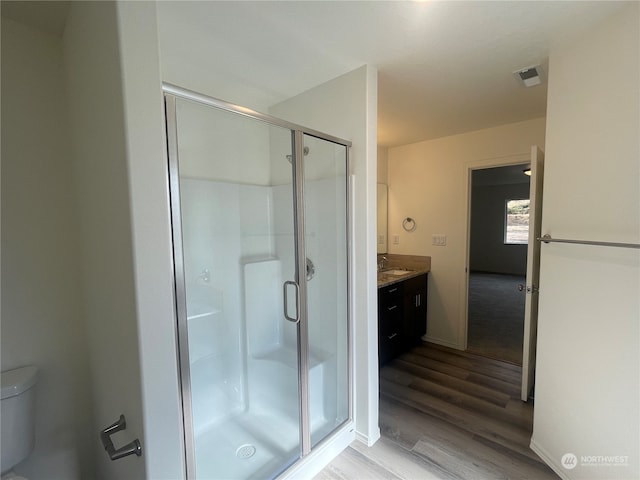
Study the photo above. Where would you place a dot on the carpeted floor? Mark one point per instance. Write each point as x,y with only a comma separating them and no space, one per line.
496,316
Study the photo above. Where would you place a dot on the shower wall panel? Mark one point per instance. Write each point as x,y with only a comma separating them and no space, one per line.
223,147
224,226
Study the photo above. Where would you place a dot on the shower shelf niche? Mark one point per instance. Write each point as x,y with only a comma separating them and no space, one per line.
203,300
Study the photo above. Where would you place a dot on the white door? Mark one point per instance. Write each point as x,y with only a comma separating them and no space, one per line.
533,273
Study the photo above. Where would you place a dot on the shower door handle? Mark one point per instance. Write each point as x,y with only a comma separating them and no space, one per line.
285,295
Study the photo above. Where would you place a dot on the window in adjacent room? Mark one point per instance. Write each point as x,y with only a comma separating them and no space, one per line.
516,222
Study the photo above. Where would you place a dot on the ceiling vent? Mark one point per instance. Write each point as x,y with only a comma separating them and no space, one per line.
529,76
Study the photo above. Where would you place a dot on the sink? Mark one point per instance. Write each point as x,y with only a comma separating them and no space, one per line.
396,273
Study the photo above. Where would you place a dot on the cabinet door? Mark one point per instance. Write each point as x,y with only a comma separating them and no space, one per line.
415,310
391,333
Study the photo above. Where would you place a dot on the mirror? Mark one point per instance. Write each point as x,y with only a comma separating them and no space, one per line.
382,218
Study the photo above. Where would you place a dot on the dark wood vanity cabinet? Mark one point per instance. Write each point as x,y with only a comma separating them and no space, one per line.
391,330
402,316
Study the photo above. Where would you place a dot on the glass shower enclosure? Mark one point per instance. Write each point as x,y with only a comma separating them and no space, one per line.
260,233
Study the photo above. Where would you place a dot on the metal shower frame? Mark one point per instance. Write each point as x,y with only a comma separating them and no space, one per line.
171,93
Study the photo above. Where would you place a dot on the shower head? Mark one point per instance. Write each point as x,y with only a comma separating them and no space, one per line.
305,150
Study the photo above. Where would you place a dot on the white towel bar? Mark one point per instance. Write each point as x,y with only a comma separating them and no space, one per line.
548,239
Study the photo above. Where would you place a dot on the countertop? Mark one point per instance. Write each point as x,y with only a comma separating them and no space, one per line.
384,280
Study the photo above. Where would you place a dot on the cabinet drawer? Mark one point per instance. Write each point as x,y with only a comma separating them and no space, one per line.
391,336
390,322
390,346
390,292
391,307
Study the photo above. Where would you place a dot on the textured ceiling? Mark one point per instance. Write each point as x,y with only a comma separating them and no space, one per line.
445,67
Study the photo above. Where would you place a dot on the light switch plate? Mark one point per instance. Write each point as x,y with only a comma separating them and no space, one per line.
396,239
439,240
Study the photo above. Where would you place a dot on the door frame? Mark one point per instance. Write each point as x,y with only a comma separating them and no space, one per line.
469,167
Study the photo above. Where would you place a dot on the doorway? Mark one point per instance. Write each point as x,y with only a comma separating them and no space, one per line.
498,238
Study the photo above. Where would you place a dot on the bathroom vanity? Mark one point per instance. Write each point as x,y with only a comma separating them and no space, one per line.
402,310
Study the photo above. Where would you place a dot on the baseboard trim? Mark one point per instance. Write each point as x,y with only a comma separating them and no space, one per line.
549,460
368,440
444,343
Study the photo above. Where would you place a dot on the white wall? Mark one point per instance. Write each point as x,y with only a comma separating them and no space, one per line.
346,107
92,63
151,241
588,367
42,322
428,181
383,161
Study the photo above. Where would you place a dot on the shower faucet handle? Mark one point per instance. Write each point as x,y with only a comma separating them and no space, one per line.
205,275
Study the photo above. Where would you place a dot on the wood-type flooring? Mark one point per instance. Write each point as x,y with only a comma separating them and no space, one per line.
446,414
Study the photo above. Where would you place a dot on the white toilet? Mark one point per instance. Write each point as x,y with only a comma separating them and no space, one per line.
18,415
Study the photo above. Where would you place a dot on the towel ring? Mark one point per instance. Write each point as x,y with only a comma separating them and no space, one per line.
409,224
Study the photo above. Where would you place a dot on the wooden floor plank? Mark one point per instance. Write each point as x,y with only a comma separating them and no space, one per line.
410,428
406,426
446,414
476,358
482,365
484,393
522,418
458,372
504,434
473,404
401,462
351,464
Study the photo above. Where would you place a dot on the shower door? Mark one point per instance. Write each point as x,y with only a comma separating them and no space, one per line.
260,248
325,222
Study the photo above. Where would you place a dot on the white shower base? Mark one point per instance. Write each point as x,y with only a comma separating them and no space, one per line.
270,424
274,437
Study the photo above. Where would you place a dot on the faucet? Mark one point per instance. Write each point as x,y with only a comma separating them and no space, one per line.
381,263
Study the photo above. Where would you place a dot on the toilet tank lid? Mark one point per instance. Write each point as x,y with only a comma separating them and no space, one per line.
16,381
